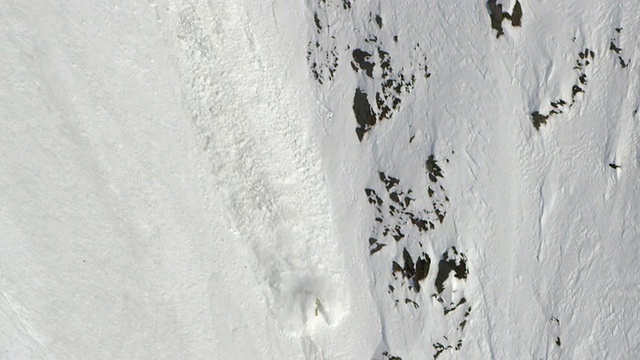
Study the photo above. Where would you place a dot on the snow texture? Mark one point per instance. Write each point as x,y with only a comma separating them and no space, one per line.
319,179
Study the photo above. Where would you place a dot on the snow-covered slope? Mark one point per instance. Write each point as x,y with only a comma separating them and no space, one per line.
327,179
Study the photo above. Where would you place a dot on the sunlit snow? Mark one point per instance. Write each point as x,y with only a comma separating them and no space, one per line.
319,179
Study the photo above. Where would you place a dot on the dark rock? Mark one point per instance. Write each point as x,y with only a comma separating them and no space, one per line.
433,169
317,21
538,119
422,267
361,58
614,48
379,21
516,15
497,15
363,113
622,63
389,181
451,261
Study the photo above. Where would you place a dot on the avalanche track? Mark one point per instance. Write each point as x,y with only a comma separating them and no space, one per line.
258,135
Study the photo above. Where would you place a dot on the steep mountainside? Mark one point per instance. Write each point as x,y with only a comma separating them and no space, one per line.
320,179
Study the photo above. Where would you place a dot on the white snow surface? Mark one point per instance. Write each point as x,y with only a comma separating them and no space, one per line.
183,179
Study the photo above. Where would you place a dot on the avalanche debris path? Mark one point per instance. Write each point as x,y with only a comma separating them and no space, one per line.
264,159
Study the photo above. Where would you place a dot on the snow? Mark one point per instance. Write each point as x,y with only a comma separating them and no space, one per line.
185,179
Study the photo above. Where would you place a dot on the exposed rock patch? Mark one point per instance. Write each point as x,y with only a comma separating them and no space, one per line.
615,48
498,16
559,106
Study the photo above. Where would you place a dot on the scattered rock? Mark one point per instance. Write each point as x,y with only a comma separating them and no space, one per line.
441,348
560,106
615,48
390,85
322,50
414,273
396,215
323,61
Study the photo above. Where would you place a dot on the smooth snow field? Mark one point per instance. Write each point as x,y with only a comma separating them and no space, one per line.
319,179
